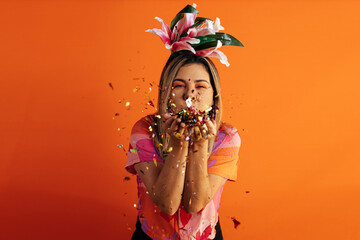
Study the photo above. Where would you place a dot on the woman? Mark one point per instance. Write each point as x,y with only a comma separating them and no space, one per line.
184,154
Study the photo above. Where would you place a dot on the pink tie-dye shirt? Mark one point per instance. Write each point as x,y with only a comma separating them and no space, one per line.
181,225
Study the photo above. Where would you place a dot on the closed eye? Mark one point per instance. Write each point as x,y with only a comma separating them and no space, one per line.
202,85
178,84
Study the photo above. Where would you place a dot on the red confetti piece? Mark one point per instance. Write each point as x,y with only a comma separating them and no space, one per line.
151,103
236,222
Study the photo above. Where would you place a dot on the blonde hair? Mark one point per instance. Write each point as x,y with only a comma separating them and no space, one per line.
169,72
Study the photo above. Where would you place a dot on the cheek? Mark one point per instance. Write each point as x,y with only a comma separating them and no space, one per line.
205,98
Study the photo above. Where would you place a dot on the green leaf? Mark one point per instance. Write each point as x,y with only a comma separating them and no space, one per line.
199,20
226,39
180,15
205,42
189,9
175,20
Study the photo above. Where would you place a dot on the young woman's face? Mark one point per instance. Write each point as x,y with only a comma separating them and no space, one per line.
192,81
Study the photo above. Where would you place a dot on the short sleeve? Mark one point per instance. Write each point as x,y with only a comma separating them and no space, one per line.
141,146
224,157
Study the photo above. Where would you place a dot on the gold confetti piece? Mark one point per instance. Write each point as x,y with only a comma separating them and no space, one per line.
155,162
158,116
118,129
136,89
170,149
150,128
128,227
127,104
178,135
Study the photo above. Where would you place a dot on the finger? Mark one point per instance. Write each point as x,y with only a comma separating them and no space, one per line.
211,128
166,116
197,133
168,124
181,128
191,133
175,124
204,131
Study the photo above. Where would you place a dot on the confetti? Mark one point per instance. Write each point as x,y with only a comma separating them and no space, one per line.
127,105
188,102
151,103
247,191
111,86
128,227
126,178
136,89
170,149
236,222
155,162
150,129
116,114
120,145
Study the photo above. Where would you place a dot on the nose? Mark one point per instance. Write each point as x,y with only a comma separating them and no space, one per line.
190,93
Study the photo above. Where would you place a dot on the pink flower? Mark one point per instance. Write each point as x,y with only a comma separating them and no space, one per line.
172,40
214,52
205,29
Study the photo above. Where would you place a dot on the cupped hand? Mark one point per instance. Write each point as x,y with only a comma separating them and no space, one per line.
175,128
203,132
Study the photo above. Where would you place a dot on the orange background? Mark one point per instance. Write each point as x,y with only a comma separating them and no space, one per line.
292,91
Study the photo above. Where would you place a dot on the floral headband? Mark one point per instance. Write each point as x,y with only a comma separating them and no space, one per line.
195,34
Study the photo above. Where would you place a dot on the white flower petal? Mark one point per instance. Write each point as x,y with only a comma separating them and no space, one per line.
217,26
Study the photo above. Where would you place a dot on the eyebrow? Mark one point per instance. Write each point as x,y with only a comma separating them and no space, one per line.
199,80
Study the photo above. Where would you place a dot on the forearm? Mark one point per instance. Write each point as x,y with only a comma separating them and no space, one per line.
168,188
197,190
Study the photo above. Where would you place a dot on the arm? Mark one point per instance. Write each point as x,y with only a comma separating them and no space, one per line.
165,182
200,186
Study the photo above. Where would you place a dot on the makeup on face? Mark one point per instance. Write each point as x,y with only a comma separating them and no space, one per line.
198,84
192,81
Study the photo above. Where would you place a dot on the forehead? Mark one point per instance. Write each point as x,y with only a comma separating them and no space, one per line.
193,71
